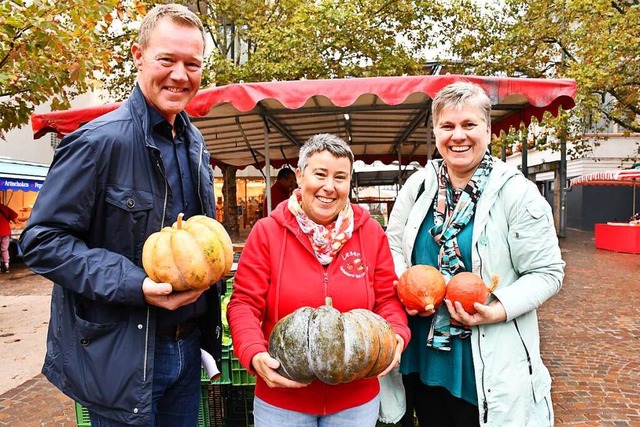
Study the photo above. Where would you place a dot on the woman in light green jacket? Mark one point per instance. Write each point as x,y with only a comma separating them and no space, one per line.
472,212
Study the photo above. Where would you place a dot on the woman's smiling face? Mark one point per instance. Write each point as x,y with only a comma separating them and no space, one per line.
462,137
324,184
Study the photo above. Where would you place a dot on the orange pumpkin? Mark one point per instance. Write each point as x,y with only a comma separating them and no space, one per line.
190,254
421,287
332,346
468,288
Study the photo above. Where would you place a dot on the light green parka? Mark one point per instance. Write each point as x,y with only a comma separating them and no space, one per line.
514,238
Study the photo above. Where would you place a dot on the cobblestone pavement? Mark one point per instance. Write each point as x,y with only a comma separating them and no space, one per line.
590,335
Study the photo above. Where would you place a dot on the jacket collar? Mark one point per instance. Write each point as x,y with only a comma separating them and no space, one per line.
141,109
284,217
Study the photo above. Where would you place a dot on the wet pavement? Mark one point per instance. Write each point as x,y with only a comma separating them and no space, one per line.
590,339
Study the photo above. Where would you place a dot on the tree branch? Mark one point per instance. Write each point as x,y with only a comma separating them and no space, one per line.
631,107
383,7
14,93
565,51
626,125
12,44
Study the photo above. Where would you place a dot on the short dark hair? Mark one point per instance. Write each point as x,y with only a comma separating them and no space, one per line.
285,173
324,142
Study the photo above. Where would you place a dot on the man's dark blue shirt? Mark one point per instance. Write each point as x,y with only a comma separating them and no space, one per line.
183,197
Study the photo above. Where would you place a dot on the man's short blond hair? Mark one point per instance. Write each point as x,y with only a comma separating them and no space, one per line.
176,12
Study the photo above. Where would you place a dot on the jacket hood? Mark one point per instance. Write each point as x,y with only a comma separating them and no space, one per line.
501,174
284,217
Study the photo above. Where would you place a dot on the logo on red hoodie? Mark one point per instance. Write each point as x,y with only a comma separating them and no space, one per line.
352,264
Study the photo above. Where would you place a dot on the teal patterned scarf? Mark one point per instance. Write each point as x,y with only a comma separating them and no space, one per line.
453,210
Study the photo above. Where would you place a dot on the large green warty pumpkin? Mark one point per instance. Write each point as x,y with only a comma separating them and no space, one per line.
332,346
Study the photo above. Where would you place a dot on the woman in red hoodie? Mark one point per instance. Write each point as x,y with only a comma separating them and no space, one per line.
297,257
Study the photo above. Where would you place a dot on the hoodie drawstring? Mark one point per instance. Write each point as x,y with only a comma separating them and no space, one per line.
279,274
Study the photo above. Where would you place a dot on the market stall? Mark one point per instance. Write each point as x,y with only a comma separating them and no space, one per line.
383,118
616,236
19,185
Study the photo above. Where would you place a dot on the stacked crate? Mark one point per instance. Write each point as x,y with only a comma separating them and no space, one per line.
242,387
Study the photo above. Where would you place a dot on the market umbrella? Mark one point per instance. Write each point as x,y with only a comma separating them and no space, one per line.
624,177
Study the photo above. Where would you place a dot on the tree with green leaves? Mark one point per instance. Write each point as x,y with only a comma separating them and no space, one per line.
257,40
595,42
49,51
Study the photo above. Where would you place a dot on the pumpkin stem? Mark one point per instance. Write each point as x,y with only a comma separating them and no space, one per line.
328,301
495,280
179,222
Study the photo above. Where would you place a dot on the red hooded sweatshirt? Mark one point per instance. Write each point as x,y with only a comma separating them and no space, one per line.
279,273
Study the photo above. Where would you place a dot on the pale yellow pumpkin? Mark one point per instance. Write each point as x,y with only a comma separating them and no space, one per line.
190,254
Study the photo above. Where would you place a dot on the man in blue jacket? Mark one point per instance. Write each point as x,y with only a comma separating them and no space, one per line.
123,346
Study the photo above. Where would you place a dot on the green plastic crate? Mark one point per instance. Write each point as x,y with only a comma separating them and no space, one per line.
229,286
82,416
204,417
239,375
240,407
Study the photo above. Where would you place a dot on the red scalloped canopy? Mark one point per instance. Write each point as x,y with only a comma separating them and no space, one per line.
383,118
626,177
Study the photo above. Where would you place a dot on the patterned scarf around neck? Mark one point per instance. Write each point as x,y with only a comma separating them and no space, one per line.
326,241
452,212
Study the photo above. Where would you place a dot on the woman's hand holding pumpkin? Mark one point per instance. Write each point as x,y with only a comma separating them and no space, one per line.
493,312
396,357
426,313
412,312
266,366
162,295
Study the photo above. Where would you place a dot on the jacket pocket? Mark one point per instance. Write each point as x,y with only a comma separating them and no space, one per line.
535,211
541,385
101,361
126,219
129,199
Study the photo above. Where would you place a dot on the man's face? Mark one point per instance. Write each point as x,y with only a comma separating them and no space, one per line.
290,182
170,66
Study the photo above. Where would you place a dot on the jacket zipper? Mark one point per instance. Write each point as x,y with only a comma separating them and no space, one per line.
325,275
166,193
326,282
526,350
164,212
485,405
146,347
200,180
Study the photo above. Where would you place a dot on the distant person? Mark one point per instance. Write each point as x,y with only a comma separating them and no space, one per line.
220,210
305,251
471,212
281,189
7,217
124,346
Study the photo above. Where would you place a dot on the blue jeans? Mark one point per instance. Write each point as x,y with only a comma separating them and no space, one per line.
176,385
266,415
